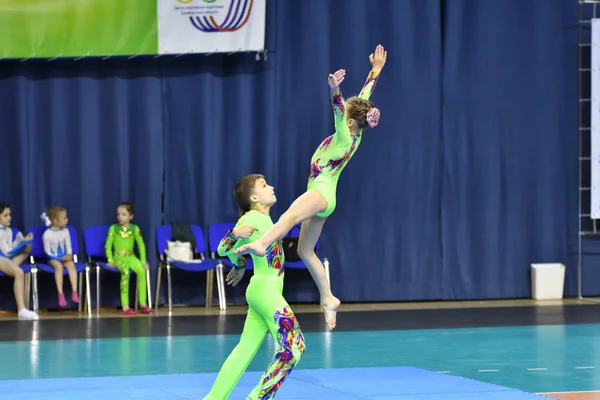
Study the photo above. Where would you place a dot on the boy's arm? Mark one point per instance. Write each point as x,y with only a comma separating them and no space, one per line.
231,242
228,244
226,247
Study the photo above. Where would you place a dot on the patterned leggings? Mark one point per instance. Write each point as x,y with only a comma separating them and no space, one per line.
268,311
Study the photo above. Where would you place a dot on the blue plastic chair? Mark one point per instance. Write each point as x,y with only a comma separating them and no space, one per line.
216,232
295,233
95,240
27,271
200,264
39,261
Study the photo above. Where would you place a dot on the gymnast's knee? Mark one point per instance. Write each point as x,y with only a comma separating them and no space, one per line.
305,253
292,356
19,274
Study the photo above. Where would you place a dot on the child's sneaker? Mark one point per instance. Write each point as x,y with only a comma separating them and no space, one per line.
75,297
146,310
129,311
62,302
27,314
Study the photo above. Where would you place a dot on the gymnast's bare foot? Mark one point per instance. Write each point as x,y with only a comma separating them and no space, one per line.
330,307
253,248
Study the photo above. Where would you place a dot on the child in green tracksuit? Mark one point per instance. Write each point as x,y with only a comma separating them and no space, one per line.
267,309
123,237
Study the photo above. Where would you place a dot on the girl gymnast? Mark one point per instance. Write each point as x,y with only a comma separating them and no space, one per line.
122,237
318,202
58,249
12,254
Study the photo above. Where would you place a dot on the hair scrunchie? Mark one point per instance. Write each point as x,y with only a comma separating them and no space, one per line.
373,117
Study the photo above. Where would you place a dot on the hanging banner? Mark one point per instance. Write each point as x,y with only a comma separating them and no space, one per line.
77,28
211,26
595,121
104,28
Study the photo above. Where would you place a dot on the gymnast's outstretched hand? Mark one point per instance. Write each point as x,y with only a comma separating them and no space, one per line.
336,79
378,58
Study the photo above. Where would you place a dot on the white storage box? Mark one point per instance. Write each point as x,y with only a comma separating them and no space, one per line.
547,281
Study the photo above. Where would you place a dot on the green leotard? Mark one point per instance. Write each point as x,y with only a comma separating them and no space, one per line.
123,240
332,155
267,311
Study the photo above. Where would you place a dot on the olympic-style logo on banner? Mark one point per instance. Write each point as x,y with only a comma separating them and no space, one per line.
237,16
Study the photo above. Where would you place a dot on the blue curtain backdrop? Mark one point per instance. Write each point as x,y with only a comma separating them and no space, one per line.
509,188
470,177
84,135
275,115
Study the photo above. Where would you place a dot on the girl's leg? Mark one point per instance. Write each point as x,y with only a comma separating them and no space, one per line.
289,339
11,269
309,235
70,266
123,268
58,278
255,330
304,207
138,268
